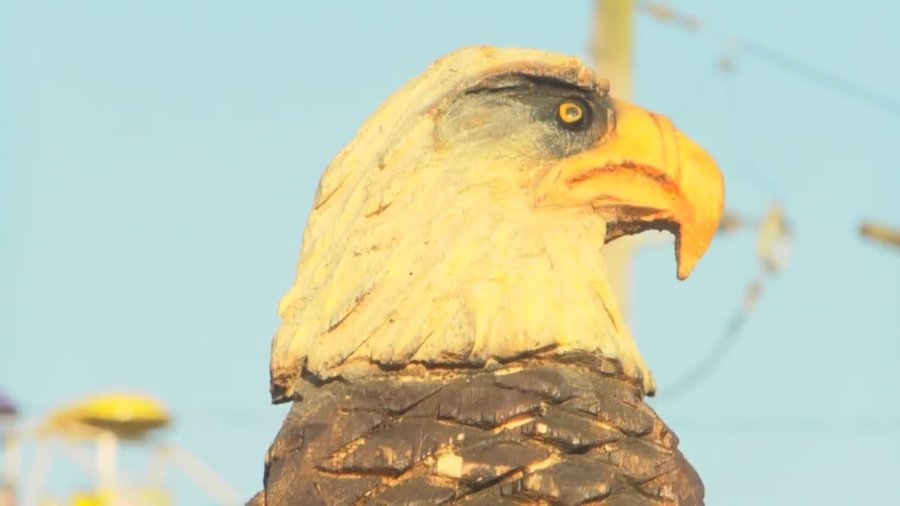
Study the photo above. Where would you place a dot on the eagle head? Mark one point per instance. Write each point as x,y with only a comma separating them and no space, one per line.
463,225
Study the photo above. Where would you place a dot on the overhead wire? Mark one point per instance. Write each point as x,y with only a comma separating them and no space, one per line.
741,139
703,369
724,344
688,96
787,425
660,11
212,416
821,77
774,231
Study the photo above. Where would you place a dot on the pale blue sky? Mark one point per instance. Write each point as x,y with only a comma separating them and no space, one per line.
157,162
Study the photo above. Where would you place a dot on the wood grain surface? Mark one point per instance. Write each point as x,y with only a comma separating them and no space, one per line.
541,433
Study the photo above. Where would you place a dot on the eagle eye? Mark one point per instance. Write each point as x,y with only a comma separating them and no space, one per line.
573,114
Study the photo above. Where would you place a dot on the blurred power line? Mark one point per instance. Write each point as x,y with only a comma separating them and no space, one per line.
224,417
774,234
882,102
776,425
821,77
773,249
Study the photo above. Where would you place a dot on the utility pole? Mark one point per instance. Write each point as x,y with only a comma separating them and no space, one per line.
611,50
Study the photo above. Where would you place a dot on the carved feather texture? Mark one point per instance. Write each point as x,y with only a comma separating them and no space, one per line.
415,251
545,434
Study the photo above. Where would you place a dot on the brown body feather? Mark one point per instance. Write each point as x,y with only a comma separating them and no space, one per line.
540,433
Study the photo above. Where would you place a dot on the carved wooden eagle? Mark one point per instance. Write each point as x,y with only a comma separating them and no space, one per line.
451,337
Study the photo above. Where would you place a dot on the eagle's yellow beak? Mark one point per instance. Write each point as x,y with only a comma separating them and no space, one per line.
644,174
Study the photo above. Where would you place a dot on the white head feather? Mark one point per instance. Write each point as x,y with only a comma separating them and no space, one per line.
410,257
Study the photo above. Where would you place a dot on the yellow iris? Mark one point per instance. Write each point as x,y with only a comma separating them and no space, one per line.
570,112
